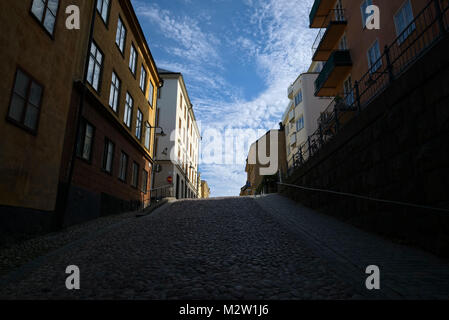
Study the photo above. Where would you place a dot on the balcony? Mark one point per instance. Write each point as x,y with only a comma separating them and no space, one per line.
327,39
319,12
290,91
333,74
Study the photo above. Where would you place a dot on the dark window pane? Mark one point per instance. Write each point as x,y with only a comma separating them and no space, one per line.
21,85
31,116
35,94
17,107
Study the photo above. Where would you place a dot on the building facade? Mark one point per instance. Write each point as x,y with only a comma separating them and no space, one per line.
348,48
109,154
37,80
302,112
177,153
75,145
205,190
259,181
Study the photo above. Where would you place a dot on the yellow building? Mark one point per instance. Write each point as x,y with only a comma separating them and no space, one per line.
205,190
79,109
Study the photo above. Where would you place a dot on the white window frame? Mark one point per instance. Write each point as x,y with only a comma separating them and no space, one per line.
114,95
129,106
120,37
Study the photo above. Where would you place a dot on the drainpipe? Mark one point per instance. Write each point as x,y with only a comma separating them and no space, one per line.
66,192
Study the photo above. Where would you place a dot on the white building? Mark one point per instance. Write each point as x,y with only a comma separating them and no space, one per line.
177,153
301,115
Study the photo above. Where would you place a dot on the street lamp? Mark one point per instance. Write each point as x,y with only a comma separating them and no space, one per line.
162,134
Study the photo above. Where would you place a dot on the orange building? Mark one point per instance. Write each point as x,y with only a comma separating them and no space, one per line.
349,49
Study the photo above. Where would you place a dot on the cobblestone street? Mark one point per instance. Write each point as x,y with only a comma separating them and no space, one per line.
230,248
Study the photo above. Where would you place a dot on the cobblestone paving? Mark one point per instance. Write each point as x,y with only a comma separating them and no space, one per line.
406,273
227,248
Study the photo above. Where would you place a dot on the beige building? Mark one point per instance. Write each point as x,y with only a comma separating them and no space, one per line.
301,116
257,182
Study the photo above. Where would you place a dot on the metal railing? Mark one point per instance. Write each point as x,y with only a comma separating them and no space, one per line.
160,193
334,15
428,28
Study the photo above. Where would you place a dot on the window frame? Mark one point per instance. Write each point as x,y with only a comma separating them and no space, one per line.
135,175
105,156
41,22
131,50
122,51
143,82
364,16
21,124
130,112
139,124
300,121
151,93
378,62
119,89
123,153
403,35
82,141
108,13
100,77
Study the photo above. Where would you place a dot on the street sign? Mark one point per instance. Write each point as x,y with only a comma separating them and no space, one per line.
170,179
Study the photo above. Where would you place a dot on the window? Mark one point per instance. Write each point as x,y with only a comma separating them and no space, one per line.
343,45
103,9
135,175
403,21
180,103
133,60
123,166
115,92
45,11
108,156
298,98
139,122
120,37
374,61
85,141
151,94
300,123
95,66
143,79
128,110
147,135
349,92
144,181
365,4
26,101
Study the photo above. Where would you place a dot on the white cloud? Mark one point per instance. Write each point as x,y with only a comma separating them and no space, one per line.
277,38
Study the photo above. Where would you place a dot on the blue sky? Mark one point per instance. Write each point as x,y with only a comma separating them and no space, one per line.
238,57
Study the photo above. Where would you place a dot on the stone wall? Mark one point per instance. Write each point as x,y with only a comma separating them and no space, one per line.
397,149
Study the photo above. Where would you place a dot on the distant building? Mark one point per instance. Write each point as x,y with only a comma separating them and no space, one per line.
205,190
301,116
177,154
257,182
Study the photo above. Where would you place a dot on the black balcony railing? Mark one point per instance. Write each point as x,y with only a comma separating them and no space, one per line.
427,29
337,58
335,16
